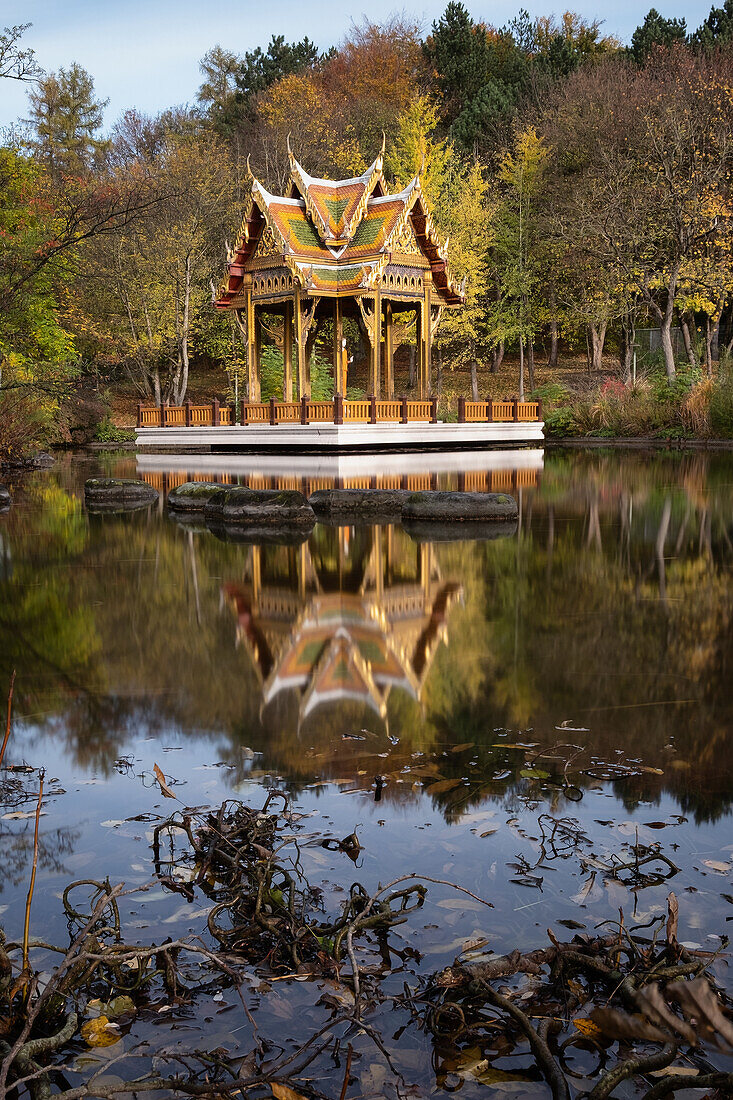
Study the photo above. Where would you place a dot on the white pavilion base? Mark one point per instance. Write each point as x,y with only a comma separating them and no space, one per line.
337,438
526,460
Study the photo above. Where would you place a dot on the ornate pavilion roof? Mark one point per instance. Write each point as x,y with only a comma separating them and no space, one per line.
337,237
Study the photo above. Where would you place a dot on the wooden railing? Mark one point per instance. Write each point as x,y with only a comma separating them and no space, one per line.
495,481
368,410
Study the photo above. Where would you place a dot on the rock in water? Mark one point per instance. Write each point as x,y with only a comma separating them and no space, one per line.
5,499
111,494
259,508
359,505
193,496
445,507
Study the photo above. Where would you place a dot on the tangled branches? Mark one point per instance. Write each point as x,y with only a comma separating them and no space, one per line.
623,984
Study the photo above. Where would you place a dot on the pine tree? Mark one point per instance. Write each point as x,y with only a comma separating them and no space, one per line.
66,118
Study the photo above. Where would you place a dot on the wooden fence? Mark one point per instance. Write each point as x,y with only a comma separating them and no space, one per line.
368,410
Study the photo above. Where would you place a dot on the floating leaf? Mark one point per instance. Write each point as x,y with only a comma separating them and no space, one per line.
164,788
100,1032
534,773
717,865
588,1028
444,785
464,747
675,1071
284,1092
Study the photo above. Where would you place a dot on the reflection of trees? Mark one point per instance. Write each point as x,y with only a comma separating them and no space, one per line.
17,849
612,607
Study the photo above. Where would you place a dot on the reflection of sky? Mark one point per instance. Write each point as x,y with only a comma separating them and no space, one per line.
410,835
146,55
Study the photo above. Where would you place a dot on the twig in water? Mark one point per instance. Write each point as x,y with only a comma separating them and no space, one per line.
31,885
7,723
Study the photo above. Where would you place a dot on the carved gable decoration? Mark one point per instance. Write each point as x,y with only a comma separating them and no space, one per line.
406,243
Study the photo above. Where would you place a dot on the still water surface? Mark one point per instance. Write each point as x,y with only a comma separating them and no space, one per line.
434,696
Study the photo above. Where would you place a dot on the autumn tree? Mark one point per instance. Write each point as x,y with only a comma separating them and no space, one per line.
517,255
146,285
17,63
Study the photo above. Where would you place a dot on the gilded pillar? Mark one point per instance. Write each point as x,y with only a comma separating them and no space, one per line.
375,373
388,352
338,337
288,352
304,382
253,375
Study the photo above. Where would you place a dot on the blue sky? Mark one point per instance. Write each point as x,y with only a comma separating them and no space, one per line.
145,53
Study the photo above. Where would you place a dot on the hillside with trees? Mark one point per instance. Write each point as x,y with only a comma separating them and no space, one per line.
585,186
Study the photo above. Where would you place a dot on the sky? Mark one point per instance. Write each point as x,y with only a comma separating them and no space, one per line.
146,53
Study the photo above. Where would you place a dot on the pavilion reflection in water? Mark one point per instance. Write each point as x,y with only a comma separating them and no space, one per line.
348,616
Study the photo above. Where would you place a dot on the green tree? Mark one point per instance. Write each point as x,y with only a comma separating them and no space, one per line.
717,29
457,52
656,31
518,249
66,118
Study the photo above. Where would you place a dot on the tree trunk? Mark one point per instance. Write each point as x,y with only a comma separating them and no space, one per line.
687,338
554,345
628,338
497,357
668,347
521,369
474,380
596,341
530,363
710,333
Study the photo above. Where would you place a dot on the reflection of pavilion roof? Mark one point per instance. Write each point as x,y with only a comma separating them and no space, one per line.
339,650
345,646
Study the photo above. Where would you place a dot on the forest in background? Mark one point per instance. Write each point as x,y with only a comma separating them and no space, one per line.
584,184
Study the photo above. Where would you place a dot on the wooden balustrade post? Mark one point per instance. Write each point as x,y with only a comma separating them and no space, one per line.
338,408
461,410
162,415
215,412
403,408
490,409
245,411
539,410
233,413
273,411
139,414
188,412
433,410
372,409
304,410
515,405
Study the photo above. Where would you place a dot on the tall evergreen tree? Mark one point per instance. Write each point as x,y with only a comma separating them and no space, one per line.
656,31
66,118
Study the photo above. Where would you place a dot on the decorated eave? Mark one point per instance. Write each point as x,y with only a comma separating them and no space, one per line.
337,237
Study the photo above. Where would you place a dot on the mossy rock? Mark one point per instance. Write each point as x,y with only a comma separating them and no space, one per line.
358,505
259,508
477,531
449,507
111,494
193,496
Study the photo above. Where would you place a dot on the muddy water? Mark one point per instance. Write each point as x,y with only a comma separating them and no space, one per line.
507,715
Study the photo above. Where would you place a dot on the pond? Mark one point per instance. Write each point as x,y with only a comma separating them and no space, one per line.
527,718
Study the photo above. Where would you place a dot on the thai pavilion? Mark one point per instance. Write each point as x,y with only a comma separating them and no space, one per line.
329,250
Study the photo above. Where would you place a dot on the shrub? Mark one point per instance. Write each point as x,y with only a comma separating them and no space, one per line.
107,432
561,422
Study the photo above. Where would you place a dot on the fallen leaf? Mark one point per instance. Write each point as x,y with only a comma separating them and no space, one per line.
463,747
588,1028
100,1032
717,865
284,1092
672,916
534,773
444,785
164,788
